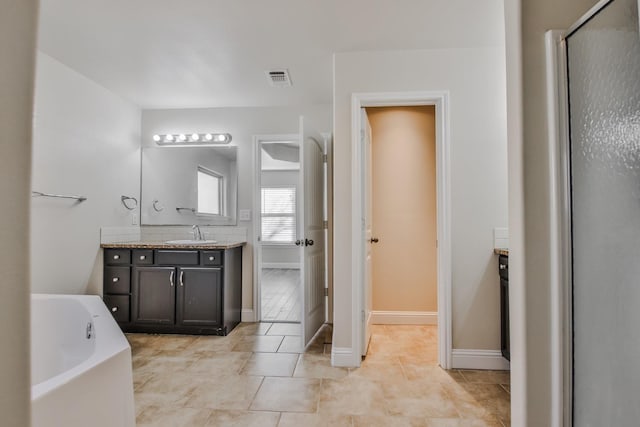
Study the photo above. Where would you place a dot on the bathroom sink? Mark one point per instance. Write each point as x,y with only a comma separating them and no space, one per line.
190,242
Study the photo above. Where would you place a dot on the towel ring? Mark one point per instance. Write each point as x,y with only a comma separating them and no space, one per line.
157,206
125,199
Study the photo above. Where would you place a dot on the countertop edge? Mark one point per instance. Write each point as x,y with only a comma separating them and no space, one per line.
160,245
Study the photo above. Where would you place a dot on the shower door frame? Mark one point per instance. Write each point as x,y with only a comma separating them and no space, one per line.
560,210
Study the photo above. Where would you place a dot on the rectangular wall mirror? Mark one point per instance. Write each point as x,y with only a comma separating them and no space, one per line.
189,185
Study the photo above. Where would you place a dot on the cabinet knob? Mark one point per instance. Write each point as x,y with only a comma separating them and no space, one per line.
143,257
116,257
115,279
211,258
114,309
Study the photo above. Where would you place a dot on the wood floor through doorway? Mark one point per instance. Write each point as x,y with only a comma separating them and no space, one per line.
280,294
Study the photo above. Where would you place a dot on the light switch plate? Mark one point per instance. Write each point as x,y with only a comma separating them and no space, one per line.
245,214
501,238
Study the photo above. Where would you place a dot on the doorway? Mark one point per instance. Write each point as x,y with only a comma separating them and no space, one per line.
279,266
403,215
290,230
362,298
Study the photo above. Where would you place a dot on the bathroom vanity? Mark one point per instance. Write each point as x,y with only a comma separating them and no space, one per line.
167,288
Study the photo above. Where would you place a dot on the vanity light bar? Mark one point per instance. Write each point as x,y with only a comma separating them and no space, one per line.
193,138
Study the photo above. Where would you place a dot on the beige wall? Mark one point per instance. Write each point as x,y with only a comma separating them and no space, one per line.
475,81
529,276
404,208
17,56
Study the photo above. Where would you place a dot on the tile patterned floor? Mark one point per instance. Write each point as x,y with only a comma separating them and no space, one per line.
258,376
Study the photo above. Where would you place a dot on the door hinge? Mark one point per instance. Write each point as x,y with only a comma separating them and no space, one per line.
326,292
325,158
325,225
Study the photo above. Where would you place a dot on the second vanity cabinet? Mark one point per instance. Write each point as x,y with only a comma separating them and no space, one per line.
187,291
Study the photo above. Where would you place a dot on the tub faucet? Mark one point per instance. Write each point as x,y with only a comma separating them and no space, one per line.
197,233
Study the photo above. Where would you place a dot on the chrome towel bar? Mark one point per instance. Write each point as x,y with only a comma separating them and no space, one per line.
58,196
192,210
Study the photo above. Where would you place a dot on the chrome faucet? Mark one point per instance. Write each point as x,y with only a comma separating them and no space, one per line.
197,233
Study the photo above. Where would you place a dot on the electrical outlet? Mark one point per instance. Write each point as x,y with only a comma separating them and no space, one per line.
245,214
134,219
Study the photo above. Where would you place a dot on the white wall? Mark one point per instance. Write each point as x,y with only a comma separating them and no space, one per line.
17,55
242,123
86,141
475,79
283,255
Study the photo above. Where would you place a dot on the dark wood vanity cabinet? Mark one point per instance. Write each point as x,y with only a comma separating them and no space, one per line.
175,290
503,271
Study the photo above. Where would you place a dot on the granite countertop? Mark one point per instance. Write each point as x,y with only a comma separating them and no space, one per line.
501,251
164,245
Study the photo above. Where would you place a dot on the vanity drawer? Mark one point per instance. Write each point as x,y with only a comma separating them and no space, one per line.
212,258
117,280
168,257
117,256
118,305
143,256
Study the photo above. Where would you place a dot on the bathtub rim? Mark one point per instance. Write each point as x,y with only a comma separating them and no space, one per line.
109,342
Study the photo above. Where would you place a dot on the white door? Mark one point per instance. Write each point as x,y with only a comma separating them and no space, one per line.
367,221
311,231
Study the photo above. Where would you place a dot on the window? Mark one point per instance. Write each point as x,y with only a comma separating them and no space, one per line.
209,192
278,214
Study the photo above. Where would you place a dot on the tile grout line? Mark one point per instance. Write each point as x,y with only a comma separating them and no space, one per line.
255,394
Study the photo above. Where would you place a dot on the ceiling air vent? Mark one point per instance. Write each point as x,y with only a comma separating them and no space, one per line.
279,78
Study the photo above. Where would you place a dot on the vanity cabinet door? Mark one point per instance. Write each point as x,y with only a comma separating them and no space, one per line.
154,295
199,292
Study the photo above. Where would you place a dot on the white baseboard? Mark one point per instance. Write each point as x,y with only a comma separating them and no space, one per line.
287,265
404,318
479,359
343,357
247,315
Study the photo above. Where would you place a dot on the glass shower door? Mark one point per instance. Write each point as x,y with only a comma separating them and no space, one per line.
603,57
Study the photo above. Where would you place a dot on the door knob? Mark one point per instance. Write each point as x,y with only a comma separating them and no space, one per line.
308,242
374,240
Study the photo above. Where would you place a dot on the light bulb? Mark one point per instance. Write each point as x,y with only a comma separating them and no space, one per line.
156,138
208,137
168,138
221,137
182,137
195,137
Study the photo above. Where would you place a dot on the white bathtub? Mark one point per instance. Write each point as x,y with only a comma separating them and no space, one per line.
81,371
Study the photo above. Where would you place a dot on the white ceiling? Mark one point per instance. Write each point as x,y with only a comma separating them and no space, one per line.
213,53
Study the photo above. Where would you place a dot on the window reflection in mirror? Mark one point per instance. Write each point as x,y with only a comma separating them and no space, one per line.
210,190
